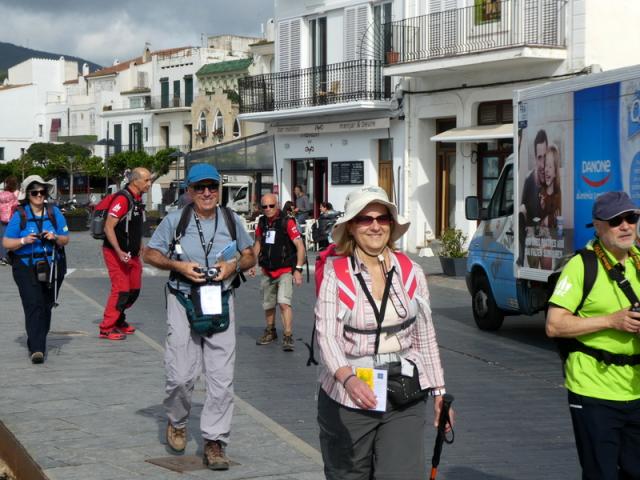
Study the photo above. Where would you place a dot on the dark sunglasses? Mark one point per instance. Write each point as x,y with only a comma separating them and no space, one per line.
38,193
199,187
630,218
273,205
367,220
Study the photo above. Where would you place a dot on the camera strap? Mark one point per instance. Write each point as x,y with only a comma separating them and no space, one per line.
206,248
615,272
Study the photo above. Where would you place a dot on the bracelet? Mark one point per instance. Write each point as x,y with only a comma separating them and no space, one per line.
436,392
21,240
344,382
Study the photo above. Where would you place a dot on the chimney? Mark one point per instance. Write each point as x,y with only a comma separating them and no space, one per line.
146,55
116,62
85,69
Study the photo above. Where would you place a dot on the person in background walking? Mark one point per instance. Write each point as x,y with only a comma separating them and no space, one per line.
8,202
121,252
321,233
390,291
303,206
34,236
599,334
280,251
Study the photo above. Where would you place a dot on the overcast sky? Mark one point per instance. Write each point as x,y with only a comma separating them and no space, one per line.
102,30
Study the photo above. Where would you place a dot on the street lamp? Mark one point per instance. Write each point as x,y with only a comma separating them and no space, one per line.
177,155
108,142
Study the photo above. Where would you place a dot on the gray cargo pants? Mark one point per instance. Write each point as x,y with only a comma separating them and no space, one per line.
187,355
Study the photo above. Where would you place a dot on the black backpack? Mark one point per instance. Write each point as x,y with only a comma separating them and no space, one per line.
99,215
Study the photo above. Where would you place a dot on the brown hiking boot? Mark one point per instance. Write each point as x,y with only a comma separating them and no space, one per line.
214,457
287,343
176,438
269,336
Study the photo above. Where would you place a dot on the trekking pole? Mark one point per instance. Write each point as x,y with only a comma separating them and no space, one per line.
441,437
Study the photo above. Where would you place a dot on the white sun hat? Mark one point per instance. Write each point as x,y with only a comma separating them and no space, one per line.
357,200
24,186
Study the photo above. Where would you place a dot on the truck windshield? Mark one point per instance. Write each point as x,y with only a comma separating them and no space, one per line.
501,203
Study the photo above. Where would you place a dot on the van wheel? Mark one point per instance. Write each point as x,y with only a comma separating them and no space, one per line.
485,311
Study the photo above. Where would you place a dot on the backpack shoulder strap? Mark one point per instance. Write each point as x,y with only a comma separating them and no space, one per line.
346,285
23,216
52,216
185,218
590,262
230,221
407,273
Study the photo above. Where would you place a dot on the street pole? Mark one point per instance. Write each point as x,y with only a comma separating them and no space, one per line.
70,178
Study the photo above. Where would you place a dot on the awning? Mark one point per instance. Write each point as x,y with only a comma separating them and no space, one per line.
477,134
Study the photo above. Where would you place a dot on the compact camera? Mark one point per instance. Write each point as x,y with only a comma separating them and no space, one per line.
209,273
634,309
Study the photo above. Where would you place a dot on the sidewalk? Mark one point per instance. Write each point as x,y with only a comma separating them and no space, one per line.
94,410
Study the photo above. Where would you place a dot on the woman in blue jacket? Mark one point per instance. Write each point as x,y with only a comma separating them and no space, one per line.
35,236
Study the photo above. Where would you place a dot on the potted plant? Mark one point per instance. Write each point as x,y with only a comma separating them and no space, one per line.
152,220
452,253
77,219
218,134
392,57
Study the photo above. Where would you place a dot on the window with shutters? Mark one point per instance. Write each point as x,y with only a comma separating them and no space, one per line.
289,58
492,113
443,26
356,37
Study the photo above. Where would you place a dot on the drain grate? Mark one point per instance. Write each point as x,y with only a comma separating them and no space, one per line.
183,463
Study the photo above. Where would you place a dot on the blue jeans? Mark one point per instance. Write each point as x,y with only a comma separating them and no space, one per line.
3,251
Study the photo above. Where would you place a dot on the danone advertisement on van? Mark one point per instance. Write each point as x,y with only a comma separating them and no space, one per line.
573,147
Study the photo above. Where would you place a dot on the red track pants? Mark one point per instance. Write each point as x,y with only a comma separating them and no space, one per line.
126,280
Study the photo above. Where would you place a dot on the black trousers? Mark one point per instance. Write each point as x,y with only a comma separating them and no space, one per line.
37,302
607,437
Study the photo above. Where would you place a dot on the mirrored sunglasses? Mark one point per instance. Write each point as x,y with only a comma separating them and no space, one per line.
630,218
37,193
200,187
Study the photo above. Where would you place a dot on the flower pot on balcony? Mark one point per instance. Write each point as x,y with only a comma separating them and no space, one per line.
392,57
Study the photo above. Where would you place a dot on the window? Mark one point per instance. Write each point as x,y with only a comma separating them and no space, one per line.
493,113
218,126
164,92
135,137
487,11
176,93
502,201
202,125
236,128
146,134
40,130
188,90
1,154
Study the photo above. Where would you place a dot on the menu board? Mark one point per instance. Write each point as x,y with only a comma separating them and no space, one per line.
347,173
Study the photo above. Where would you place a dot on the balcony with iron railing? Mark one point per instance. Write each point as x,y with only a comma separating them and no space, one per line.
324,86
502,28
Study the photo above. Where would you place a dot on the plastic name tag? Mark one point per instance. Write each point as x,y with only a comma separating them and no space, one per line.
211,299
271,237
179,250
376,378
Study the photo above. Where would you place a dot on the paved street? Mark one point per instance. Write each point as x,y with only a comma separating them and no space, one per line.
513,422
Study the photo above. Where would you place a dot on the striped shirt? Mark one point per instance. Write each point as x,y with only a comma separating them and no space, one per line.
337,346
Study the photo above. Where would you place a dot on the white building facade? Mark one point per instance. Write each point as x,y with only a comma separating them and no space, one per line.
461,61
32,89
328,103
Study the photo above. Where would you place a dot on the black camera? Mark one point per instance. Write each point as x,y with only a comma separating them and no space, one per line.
209,273
43,236
635,309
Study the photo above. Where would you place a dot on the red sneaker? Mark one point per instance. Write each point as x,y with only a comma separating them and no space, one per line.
112,335
126,328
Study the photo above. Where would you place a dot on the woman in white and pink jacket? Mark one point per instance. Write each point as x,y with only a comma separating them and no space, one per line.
8,203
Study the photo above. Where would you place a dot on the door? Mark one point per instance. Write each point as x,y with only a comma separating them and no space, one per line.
445,190
311,174
117,138
385,167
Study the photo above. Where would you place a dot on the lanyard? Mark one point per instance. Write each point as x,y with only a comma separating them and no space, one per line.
379,314
615,272
206,249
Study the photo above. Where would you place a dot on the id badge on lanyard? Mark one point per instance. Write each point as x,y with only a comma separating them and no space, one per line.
271,237
211,299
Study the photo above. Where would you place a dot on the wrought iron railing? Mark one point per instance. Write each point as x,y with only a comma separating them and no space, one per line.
485,26
309,87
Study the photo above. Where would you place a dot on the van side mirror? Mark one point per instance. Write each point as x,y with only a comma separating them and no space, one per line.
472,208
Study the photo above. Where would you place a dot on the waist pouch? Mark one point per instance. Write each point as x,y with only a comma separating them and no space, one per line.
403,390
201,324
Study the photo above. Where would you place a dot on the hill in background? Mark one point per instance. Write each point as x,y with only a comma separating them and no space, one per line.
11,55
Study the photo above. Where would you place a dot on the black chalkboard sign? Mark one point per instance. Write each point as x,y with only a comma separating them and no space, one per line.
347,173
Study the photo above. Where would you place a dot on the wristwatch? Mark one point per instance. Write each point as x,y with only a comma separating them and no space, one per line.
238,269
298,268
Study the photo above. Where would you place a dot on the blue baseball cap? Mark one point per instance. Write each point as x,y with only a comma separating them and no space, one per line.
611,204
202,171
